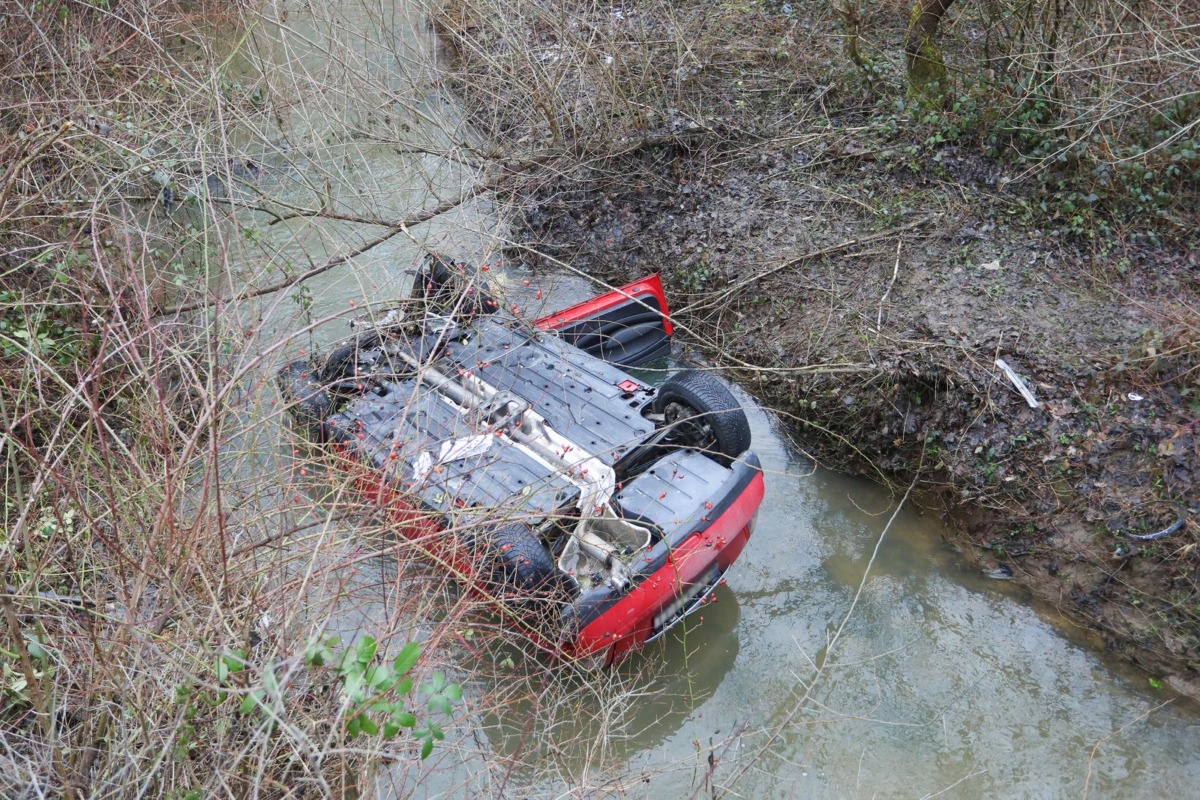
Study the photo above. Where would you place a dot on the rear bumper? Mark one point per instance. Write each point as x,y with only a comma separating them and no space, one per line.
676,576
695,562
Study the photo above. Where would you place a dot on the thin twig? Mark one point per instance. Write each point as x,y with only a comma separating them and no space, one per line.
720,297
827,658
891,283
1096,747
11,177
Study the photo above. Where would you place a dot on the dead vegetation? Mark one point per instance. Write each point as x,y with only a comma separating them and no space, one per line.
191,605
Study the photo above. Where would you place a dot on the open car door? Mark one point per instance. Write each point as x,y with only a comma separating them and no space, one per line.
627,326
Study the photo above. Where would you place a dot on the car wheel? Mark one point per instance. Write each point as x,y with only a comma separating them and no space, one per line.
517,568
703,415
447,287
342,362
305,397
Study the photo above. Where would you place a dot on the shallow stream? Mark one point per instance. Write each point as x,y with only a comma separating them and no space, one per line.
939,682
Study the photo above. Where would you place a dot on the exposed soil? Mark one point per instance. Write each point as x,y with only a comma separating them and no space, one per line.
865,288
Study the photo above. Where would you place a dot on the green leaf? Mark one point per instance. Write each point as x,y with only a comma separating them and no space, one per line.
365,649
404,687
36,651
439,703
454,692
390,729
250,701
353,687
406,659
353,726
367,725
320,651
404,719
426,748
380,677
230,663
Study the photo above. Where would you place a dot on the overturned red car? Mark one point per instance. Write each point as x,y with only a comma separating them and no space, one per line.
594,509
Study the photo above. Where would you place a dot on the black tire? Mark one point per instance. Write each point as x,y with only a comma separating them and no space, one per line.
704,414
445,286
517,569
306,398
342,362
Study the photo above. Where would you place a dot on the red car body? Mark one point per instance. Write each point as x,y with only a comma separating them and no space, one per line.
696,506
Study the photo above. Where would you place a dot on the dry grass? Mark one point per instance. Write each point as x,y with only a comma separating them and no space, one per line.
170,549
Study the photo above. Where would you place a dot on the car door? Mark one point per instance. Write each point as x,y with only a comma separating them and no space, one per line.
628,327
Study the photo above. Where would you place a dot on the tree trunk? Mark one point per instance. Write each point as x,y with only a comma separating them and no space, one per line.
926,70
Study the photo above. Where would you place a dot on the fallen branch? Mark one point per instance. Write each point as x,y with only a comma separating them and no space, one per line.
720,297
10,178
891,283
390,232
496,181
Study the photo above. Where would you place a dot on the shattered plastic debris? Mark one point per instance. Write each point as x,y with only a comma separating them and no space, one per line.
1016,381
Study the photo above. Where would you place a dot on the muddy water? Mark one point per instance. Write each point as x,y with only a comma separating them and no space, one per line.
811,675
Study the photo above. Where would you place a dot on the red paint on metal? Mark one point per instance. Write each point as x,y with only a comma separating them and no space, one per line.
640,289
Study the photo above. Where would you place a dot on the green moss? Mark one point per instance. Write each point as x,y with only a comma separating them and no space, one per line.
926,71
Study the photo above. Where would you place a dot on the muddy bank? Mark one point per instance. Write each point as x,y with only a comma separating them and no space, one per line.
863,279
883,356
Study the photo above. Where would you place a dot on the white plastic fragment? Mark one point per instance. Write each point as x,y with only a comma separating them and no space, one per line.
1016,381
1135,397
463,447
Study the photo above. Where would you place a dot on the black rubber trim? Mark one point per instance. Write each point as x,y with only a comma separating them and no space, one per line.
594,602
627,335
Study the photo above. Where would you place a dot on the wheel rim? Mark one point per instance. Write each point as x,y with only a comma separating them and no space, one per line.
689,427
